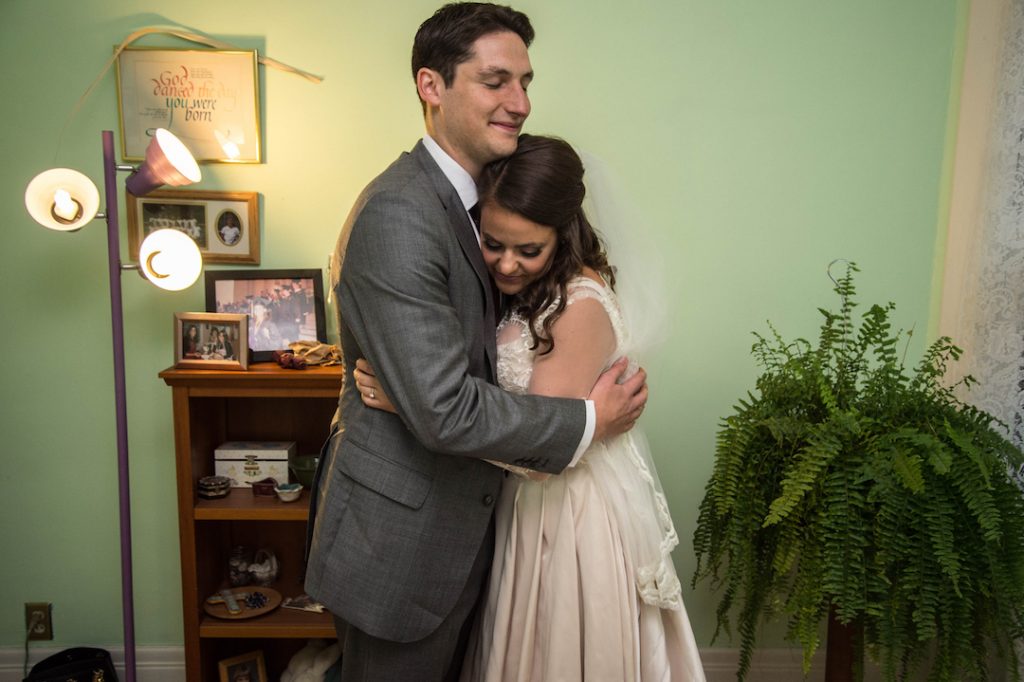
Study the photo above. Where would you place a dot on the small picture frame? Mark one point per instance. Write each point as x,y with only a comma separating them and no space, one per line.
211,341
224,225
245,668
283,306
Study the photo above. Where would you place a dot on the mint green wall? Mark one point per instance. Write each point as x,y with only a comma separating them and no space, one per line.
762,139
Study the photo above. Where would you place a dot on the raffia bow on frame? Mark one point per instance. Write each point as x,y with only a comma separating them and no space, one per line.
316,353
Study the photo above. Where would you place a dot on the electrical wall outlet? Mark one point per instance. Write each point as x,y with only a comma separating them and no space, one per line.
39,620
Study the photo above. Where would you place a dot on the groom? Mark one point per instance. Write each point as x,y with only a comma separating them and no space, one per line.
403,532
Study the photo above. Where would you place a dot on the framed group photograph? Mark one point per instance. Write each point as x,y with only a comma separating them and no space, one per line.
283,306
225,225
245,668
211,341
208,98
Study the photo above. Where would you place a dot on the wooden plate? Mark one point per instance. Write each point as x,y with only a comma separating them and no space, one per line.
220,610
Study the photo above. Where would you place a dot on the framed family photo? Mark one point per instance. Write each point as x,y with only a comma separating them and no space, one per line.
224,225
245,668
211,341
283,306
208,98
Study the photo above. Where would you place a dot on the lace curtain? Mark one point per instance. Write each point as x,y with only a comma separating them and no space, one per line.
990,318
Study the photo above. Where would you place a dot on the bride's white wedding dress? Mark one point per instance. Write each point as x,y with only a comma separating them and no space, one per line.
582,587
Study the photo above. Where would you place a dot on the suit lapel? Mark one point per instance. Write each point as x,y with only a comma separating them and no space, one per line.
460,223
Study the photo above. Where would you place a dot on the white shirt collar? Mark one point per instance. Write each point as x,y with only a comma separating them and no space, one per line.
460,178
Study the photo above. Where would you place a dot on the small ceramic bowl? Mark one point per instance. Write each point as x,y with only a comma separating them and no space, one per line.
288,492
303,468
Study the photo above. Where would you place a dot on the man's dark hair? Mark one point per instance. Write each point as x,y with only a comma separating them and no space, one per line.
446,39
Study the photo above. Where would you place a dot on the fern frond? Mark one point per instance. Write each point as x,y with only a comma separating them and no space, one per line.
843,482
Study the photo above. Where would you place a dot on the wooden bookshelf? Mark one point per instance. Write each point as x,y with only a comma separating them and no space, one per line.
210,407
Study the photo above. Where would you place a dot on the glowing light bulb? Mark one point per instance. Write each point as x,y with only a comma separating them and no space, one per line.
62,199
64,207
179,157
170,259
168,162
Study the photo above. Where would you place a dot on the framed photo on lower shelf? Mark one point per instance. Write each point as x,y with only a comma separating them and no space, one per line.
283,306
224,225
211,341
245,668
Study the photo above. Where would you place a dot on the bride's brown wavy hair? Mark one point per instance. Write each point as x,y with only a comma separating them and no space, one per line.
543,182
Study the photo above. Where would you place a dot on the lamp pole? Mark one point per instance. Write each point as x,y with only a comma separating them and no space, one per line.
63,199
120,402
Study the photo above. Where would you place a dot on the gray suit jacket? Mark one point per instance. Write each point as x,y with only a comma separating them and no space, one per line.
402,503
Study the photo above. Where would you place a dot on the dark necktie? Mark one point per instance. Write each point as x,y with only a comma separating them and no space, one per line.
474,213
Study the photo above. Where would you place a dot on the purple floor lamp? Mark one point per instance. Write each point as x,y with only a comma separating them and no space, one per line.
63,199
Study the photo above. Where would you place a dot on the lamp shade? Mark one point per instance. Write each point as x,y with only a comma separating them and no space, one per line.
170,259
62,199
168,162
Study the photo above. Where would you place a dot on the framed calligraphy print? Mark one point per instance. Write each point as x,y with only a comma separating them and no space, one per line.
208,98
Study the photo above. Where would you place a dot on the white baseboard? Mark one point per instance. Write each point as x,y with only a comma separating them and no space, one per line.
167,664
152,663
768,665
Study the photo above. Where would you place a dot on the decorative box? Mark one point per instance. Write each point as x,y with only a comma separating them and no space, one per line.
265,487
245,462
213,487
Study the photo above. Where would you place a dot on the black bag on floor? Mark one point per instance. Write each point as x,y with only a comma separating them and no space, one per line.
79,664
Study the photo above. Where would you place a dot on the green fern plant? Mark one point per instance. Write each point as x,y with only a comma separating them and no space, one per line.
846,485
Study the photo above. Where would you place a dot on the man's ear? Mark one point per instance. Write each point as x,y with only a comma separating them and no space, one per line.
429,85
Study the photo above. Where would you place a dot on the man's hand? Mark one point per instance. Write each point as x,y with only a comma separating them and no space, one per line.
618,405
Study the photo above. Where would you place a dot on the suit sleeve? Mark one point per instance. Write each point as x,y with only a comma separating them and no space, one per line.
397,301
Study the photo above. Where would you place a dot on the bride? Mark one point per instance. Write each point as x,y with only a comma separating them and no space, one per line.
582,586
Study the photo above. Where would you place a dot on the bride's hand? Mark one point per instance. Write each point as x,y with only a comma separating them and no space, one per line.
370,389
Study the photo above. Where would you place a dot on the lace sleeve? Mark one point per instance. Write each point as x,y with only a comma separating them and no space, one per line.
581,288
584,344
